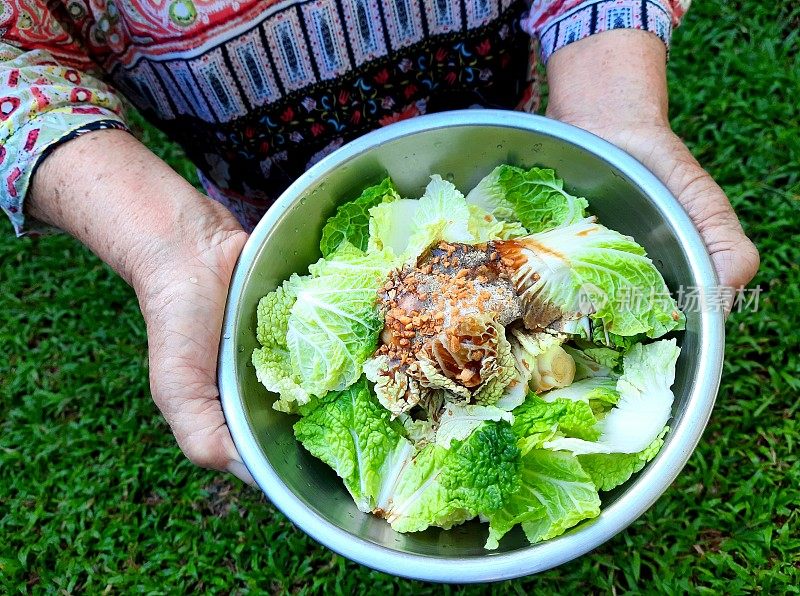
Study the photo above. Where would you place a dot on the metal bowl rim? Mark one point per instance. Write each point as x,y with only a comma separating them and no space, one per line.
643,491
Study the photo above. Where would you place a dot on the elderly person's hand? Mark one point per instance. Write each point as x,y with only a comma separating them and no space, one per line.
614,85
176,248
183,299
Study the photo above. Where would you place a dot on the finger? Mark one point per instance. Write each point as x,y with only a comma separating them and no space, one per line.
734,256
198,423
206,441
239,470
194,414
235,464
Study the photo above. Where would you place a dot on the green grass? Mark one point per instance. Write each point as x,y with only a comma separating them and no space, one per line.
94,494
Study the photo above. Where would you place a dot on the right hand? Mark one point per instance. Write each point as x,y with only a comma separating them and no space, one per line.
177,248
183,300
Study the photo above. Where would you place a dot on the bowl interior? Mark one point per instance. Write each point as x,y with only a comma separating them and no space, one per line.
462,154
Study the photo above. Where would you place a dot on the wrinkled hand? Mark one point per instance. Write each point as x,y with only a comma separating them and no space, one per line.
177,248
614,84
734,256
183,305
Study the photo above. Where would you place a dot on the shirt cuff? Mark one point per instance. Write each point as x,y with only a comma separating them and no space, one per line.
22,153
588,18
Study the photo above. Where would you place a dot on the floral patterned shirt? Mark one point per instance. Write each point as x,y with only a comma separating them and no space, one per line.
257,91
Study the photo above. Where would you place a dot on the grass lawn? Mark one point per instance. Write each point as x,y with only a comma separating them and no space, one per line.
94,493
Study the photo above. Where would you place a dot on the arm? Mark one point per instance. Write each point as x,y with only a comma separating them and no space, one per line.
614,85
176,247
42,104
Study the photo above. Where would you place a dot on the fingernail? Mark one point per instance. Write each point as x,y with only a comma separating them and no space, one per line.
239,470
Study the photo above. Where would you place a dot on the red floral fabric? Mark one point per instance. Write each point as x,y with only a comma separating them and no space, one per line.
256,91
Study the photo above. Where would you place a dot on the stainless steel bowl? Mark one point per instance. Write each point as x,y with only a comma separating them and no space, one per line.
462,146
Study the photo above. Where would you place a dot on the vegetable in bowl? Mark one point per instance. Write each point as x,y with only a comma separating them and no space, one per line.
491,356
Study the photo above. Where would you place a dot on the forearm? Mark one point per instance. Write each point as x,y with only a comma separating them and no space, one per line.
612,77
124,203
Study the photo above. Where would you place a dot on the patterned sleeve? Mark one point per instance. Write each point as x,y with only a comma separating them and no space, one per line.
42,104
560,22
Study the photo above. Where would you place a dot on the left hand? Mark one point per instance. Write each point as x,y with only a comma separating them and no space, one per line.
614,85
661,151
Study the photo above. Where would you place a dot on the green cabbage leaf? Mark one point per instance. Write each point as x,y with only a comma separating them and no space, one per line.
353,434
350,223
408,227
445,487
334,324
587,269
535,198
642,409
554,495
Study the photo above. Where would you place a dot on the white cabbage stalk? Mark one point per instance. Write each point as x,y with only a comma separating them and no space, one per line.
644,406
554,369
458,421
515,393
391,472
542,364
543,266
